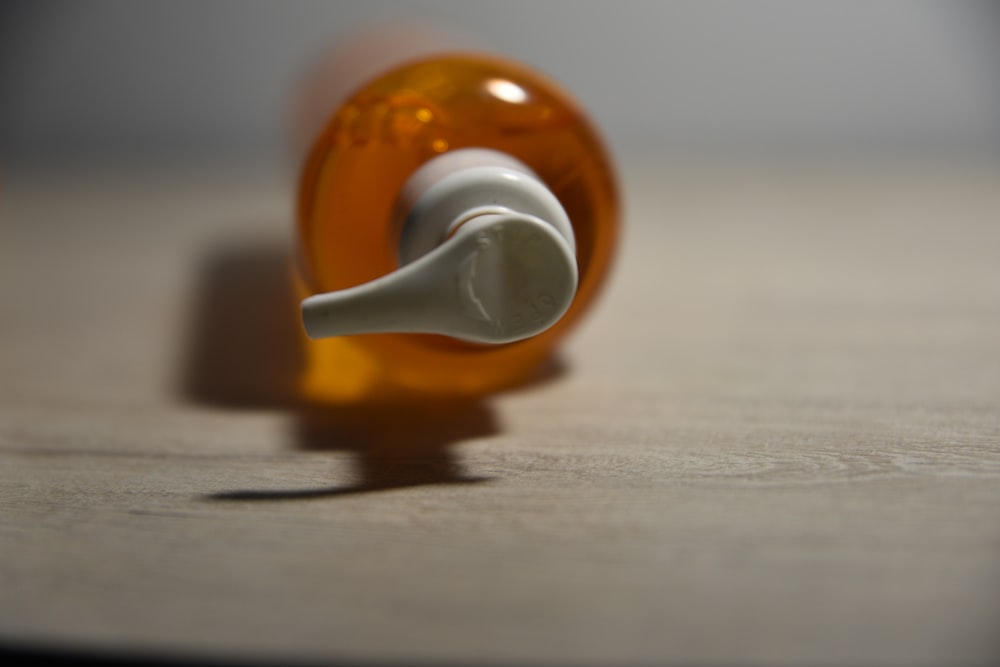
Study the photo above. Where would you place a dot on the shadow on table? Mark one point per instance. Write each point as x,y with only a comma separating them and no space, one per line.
27,652
244,351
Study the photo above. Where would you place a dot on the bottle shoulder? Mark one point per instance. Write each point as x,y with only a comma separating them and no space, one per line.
455,92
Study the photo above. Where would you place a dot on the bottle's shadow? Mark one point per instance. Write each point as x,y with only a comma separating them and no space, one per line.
244,350
394,446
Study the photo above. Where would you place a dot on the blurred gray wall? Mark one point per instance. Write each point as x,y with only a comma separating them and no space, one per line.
121,77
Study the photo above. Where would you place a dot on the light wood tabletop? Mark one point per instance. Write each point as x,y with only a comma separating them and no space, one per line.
775,441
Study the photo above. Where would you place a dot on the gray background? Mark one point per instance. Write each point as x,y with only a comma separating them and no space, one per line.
157,79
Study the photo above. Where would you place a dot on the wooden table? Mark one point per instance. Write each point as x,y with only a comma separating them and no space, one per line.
776,441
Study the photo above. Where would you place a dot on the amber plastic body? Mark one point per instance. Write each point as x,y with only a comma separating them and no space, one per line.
349,187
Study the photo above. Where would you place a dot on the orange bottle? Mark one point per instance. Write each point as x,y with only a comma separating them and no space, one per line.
457,214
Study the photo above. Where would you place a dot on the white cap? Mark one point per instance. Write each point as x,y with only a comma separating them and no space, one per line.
487,255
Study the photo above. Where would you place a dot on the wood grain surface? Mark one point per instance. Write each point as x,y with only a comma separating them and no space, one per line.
776,441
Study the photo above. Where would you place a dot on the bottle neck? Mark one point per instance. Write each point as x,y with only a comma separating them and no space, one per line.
461,185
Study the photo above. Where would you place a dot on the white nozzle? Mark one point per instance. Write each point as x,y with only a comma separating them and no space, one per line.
506,272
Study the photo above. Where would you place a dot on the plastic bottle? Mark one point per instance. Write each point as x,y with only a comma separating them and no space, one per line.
406,185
